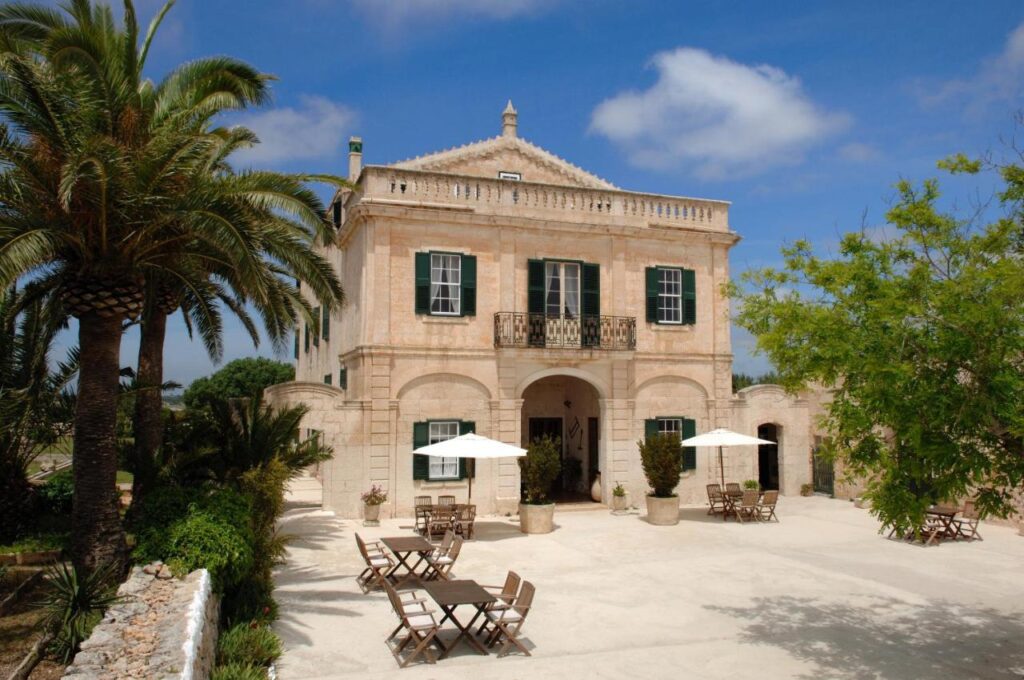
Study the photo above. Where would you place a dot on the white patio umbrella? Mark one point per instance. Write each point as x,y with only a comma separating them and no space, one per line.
471,446
722,438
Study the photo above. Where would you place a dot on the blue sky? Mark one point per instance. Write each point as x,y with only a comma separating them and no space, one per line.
801,114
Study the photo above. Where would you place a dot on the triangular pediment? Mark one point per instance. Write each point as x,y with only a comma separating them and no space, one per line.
509,154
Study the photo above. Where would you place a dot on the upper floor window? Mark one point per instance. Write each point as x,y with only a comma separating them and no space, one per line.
671,295
445,284
562,289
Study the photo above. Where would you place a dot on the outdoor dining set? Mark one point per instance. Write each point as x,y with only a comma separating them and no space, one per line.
946,522
409,567
443,516
746,505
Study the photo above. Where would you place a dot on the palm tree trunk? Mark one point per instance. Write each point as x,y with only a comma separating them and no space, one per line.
97,534
148,423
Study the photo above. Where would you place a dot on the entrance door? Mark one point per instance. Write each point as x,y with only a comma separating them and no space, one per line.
824,471
593,464
768,457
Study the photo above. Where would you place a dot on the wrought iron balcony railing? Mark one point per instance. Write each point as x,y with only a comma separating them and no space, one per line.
522,329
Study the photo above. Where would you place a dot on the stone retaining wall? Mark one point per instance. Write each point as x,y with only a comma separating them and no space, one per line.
163,628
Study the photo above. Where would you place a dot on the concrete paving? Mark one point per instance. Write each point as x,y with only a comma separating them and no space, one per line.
818,595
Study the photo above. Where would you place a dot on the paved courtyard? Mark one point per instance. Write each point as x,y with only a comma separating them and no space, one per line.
819,595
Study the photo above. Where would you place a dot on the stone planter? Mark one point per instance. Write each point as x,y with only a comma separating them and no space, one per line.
618,503
371,513
537,519
663,511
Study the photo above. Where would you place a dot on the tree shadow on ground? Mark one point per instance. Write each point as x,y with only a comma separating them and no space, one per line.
884,638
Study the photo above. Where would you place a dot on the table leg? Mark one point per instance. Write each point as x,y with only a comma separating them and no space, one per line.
464,631
400,582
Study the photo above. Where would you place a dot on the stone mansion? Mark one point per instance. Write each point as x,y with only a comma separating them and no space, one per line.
497,288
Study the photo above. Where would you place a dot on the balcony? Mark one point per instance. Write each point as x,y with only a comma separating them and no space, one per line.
522,329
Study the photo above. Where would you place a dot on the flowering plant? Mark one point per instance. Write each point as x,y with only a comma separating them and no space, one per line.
375,496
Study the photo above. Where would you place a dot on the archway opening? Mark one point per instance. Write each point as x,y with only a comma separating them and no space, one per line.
568,408
768,456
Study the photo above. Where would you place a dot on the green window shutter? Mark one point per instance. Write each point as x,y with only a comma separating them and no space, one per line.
343,378
423,283
651,278
306,326
689,296
316,331
591,288
535,286
468,285
465,427
650,427
326,325
689,452
420,463
296,343
328,378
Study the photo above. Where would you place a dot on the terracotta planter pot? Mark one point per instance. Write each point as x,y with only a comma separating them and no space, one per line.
663,511
618,503
371,513
537,519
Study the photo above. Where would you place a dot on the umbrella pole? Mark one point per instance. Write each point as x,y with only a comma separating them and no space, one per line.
472,473
721,466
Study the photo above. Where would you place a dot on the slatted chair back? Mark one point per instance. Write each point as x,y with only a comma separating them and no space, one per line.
464,519
441,518
510,587
362,548
770,498
440,565
420,501
750,497
714,490
446,544
422,517
446,500
733,489
970,510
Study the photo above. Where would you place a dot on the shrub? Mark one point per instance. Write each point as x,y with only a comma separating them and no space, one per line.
56,493
375,496
248,643
74,604
751,485
205,540
662,459
539,468
238,671
619,490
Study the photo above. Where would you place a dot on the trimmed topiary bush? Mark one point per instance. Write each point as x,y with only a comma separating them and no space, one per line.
662,459
539,469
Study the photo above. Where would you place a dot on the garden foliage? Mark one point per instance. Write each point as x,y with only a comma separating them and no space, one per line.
539,468
662,459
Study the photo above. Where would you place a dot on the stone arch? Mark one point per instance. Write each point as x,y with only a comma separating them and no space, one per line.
667,379
603,391
459,378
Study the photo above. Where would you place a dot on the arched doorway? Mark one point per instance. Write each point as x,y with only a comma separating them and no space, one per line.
768,456
567,407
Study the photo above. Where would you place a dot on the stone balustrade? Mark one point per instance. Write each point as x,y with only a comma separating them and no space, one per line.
510,197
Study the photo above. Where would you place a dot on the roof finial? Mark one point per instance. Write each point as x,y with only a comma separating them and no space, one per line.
509,120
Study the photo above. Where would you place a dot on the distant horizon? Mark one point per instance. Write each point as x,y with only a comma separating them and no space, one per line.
802,117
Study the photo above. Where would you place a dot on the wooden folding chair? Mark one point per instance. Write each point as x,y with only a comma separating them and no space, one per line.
378,564
446,500
440,567
440,521
747,508
506,594
419,624
464,519
733,489
507,623
966,524
716,499
766,507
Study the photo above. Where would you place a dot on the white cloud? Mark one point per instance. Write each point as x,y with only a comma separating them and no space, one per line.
313,130
858,152
715,116
998,79
391,14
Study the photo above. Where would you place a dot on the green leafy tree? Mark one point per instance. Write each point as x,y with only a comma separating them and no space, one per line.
921,336
94,161
662,458
239,379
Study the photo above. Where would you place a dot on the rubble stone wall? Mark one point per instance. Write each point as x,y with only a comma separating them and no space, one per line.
162,628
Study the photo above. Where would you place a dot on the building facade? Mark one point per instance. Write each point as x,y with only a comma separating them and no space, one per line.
499,289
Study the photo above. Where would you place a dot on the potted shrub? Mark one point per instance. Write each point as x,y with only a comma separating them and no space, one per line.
539,469
662,458
806,489
618,497
372,500
752,485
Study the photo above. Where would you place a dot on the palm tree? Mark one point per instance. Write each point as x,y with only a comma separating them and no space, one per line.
93,158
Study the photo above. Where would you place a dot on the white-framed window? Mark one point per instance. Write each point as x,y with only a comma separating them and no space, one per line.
443,468
671,426
445,284
562,289
670,295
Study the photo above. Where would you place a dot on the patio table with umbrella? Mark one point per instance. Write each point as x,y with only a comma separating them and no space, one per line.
723,438
473,447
